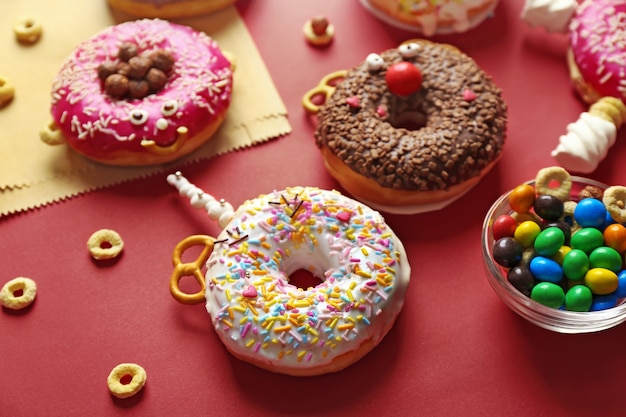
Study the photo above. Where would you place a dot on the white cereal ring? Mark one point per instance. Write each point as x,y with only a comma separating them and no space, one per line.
550,176
126,380
614,200
105,244
18,293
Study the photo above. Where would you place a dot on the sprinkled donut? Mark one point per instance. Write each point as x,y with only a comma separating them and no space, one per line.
141,93
597,53
410,129
432,17
263,319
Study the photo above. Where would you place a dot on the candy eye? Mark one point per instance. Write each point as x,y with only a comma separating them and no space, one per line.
409,50
138,116
374,62
169,108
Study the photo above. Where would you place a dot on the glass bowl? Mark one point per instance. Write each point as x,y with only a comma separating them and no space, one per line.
557,320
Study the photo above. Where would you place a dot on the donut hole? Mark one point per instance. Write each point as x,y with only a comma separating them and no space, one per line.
126,379
409,119
304,279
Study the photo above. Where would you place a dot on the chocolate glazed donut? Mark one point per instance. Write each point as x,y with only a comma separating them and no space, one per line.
410,129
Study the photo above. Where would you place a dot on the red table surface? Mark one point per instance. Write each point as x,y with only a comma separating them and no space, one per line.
455,349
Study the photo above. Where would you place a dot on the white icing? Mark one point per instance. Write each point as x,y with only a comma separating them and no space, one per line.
585,144
554,15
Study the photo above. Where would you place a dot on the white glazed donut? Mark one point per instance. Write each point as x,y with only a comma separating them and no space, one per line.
264,319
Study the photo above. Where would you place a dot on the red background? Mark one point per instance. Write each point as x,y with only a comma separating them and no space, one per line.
455,348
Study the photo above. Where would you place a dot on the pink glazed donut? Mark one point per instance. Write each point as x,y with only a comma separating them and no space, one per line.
151,117
597,57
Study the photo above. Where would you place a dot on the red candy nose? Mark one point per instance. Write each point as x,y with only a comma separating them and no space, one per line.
403,78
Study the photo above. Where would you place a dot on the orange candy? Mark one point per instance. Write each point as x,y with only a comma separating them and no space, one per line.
522,198
615,237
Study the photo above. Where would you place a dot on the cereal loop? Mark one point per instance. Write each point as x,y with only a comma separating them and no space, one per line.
18,293
614,200
547,177
7,91
126,380
27,30
194,268
105,244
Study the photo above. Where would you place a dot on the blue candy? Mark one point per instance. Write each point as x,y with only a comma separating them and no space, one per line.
590,212
546,269
603,302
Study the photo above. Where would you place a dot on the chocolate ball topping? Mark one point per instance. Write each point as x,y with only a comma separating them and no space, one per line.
134,75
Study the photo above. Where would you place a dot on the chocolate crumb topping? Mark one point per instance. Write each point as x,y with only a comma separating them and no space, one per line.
447,132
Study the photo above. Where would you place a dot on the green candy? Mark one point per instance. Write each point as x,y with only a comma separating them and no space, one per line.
575,264
607,258
578,298
587,239
549,241
548,294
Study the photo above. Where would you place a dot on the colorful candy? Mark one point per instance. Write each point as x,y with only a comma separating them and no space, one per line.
561,252
548,294
578,298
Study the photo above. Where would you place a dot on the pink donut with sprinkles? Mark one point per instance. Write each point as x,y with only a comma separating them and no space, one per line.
264,319
597,56
140,93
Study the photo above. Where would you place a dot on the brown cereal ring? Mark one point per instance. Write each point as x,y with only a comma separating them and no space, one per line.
546,177
105,244
27,30
18,293
7,91
126,380
51,134
614,200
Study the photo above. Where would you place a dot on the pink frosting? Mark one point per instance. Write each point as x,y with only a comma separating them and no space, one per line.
97,125
598,41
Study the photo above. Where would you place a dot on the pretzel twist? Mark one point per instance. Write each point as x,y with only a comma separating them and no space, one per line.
184,269
325,88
